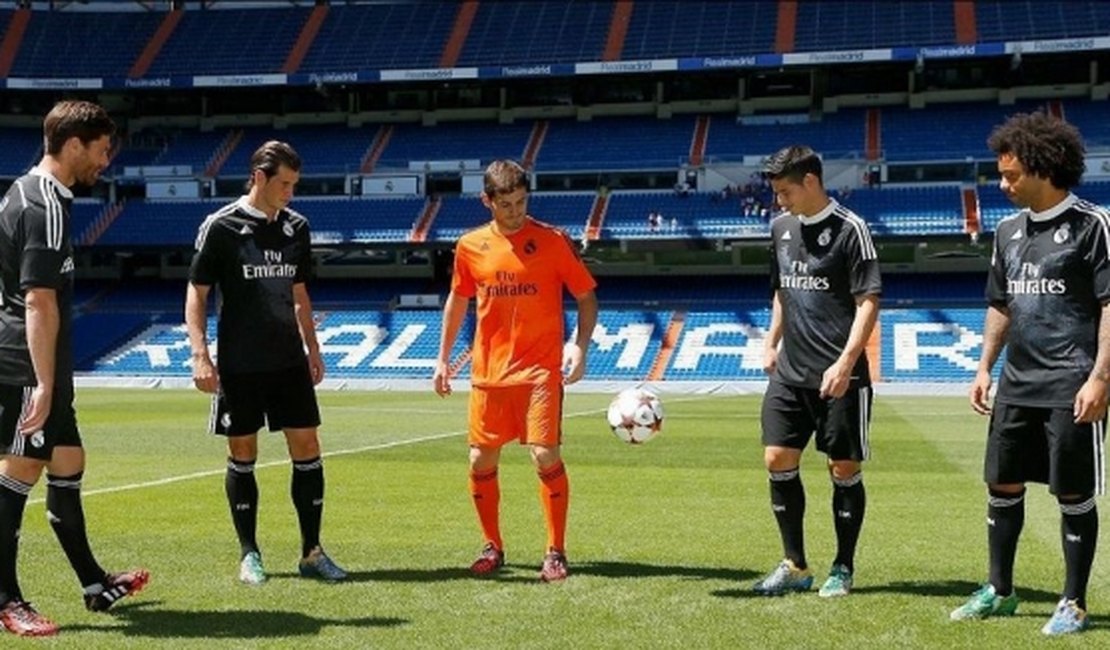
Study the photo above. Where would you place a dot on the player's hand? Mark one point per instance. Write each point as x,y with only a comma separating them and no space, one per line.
316,366
204,374
770,359
835,380
980,393
37,412
574,366
442,379
1090,402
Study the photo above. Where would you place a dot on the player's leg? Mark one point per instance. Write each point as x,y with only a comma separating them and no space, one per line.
544,435
492,422
845,437
1076,475
787,427
237,413
1016,452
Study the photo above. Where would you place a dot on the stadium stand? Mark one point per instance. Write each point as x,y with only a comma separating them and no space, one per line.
616,143
241,41
380,35
1002,20
116,38
856,24
19,150
674,28
454,141
542,31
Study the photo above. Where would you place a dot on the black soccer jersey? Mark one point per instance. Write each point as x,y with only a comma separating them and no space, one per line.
820,265
1052,271
35,252
254,263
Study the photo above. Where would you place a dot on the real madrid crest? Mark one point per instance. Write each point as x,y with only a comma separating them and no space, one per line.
1062,233
825,237
287,228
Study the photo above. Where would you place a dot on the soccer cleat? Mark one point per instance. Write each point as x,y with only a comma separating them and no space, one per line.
250,569
839,582
490,560
985,603
21,619
319,565
116,586
554,566
1067,619
785,577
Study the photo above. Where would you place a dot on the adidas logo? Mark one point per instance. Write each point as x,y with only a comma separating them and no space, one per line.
786,236
317,502
246,230
990,521
1016,235
777,508
844,514
240,507
1075,539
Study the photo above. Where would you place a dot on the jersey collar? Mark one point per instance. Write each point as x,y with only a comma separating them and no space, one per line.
245,205
42,173
1055,210
820,216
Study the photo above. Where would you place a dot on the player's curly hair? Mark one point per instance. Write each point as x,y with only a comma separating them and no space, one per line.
504,177
793,163
1046,146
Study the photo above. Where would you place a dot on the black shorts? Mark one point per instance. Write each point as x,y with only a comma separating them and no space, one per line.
283,399
60,429
791,415
1045,445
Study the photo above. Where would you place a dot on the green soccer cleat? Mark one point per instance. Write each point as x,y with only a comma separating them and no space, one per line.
839,582
1067,619
985,603
785,577
319,565
250,569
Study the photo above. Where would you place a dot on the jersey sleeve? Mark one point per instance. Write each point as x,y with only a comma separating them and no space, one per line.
996,275
43,255
1098,256
304,256
864,276
462,279
576,276
204,269
773,258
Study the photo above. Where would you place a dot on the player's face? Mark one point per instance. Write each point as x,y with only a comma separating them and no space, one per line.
276,192
90,159
509,210
1022,188
797,198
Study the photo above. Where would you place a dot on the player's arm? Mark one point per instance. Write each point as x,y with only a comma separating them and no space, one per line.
196,323
43,321
574,355
454,311
1090,401
995,327
774,336
302,308
837,377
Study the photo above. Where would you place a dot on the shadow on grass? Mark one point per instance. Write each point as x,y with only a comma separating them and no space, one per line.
641,570
530,573
957,590
146,620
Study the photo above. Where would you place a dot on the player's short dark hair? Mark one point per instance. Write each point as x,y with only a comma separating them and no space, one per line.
793,163
271,156
83,120
504,177
1047,147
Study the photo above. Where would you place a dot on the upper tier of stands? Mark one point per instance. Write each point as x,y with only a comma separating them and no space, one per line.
403,34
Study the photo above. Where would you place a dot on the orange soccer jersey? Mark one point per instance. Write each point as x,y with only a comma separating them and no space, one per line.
518,281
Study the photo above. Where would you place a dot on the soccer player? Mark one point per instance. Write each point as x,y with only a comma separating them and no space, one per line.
256,250
1048,291
517,268
825,282
38,424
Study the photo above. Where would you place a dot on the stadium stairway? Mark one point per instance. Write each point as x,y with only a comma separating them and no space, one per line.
305,39
786,26
154,46
424,221
699,140
13,38
464,19
220,156
597,217
618,30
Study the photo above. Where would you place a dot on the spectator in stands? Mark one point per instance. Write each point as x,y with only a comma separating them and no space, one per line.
517,268
256,250
825,277
1049,303
38,424
654,220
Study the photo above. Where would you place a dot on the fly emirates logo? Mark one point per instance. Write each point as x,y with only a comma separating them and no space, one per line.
1030,282
508,286
800,279
273,268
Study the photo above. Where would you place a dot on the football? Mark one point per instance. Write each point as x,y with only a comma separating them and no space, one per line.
636,415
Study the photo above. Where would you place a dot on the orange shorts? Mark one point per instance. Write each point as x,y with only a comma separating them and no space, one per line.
531,414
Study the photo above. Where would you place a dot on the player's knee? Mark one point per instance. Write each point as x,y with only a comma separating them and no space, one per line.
1006,488
24,470
780,459
483,459
545,457
842,470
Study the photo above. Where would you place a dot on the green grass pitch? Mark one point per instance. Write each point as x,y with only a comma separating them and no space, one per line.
665,538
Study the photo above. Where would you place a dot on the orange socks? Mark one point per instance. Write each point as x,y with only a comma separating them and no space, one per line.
555,495
486,492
